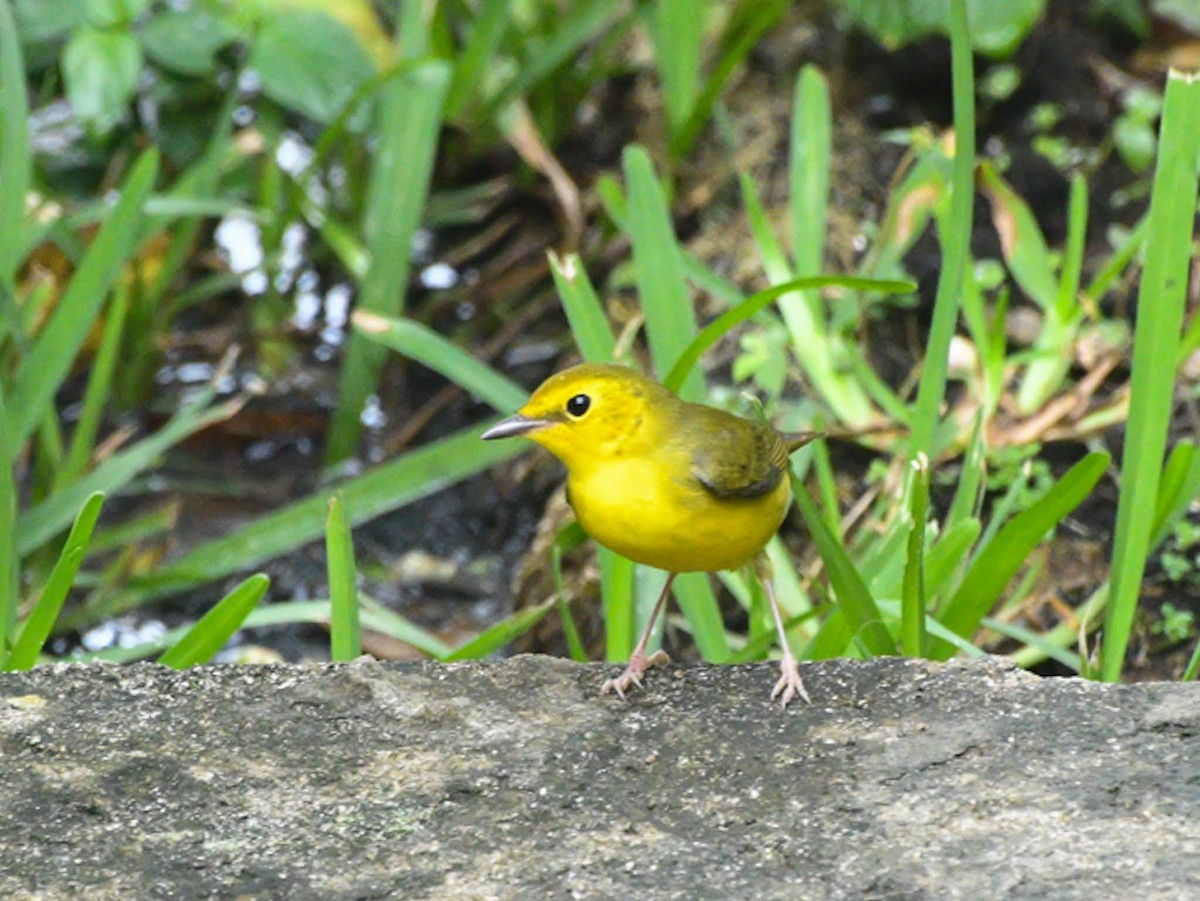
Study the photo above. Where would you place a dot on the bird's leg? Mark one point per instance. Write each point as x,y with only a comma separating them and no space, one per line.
789,685
638,661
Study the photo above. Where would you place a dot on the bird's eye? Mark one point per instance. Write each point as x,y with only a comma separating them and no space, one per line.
578,405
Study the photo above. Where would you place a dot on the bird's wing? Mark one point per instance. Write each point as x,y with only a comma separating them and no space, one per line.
738,458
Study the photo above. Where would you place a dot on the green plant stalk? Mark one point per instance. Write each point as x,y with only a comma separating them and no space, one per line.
503,633
912,598
15,155
678,31
956,241
755,303
423,344
9,563
1161,299
585,313
487,32
575,646
410,121
817,351
1054,348
857,608
43,369
587,20
54,593
98,387
215,628
617,594
661,279
345,635
752,18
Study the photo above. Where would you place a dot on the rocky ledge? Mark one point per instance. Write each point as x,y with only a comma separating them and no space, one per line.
903,779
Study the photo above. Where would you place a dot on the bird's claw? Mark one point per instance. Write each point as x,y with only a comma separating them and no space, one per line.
632,675
790,685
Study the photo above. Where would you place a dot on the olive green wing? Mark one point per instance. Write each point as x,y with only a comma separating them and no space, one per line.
736,458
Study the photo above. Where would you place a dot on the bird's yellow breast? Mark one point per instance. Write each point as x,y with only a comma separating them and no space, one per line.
651,510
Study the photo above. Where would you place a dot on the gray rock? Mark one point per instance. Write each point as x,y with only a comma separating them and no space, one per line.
904,779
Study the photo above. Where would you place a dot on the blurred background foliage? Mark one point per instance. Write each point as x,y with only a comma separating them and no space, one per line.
195,196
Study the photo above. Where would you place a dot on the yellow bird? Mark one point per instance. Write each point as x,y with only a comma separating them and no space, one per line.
674,485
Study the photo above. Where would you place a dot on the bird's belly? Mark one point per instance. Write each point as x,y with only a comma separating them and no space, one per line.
630,508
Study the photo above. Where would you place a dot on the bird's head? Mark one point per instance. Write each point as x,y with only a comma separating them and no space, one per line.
588,413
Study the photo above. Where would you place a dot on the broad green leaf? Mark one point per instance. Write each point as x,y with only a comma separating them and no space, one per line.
309,62
997,29
101,71
187,41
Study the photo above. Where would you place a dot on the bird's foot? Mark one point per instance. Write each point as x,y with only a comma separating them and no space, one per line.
632,675
790,684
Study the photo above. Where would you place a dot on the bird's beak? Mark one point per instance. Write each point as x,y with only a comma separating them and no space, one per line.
513,426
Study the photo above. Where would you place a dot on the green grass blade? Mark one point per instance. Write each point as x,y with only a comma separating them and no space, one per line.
345,637
504,633
10,565
569,538
40,374
15,155
1049,650
378,618
755,303
616,590
215,628
811,153
661,278
861,615
54,593
379,490
993,569
957,240
1021,240
98,387
948,553
693,592
130,531
428,348
410,114
1193,666
487,32
1161,299
375,617
585,314
588,19
912,598
677,33
43,521
752,19
821,353
1072,265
